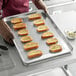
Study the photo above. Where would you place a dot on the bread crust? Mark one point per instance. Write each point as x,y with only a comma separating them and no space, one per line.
26,39
39,22
42,28
34,16
19,26
30,46
55,48
47,35
22,32
34,54
16,20
51,41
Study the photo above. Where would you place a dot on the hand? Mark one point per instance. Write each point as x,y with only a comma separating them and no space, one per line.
45,9
40,5
6,32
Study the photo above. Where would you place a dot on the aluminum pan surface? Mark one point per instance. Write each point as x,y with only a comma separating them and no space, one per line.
37,38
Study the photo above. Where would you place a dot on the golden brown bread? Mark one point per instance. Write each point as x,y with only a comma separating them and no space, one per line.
51,41
55,48
30,46
34,54
26,39
23,32
19,26
34,16
39,22
42,28
16,20
47,35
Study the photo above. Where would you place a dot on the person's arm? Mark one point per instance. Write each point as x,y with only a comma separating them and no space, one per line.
40,4
5,30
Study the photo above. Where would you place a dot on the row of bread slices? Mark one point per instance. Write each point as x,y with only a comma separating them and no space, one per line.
22,31
41,27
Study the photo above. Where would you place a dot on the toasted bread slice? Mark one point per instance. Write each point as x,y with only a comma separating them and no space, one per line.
39,22
47,35
34,54
19,26
34,16
26,38
55,48
23,32
51,41
30,46
16,20
42,28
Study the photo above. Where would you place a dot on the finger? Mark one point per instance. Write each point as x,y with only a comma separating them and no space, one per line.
11,36
8,36
9,41
6,30
45,10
